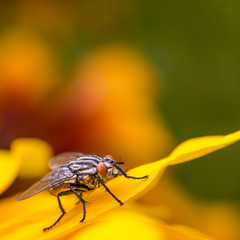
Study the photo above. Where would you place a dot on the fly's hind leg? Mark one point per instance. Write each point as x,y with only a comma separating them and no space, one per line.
60,206
75,191
71,191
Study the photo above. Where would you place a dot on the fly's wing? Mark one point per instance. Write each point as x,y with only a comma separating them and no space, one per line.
62,158
51,179
36,188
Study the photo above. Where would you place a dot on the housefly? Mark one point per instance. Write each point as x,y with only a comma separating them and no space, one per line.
76,173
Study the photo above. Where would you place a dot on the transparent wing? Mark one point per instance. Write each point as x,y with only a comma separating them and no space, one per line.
62,158
46,182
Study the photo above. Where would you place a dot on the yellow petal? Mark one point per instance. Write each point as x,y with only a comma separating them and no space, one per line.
8,170
119,225
34,155
133,225
182,232
28,217
198,147
172,203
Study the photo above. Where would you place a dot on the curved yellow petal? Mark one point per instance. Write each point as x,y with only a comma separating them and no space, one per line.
8,170
198,147
34,155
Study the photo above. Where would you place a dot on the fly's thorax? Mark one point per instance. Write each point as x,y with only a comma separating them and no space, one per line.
84,165
83,168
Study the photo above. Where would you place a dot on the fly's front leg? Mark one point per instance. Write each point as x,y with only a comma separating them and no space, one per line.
108,190
125,174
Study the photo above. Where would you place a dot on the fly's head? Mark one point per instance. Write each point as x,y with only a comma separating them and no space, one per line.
107,168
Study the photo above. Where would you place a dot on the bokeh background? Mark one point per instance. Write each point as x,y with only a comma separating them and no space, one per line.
186,54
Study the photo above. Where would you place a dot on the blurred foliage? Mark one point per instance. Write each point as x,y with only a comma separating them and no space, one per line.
193,44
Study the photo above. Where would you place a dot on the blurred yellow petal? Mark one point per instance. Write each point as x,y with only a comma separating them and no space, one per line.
34,155
221,220
26,66
197,147
169,201
120,225
8,170
132,225
183,232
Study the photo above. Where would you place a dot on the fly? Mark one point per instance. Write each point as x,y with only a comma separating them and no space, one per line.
76,173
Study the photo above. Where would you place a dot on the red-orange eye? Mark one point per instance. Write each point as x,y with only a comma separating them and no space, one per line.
102,169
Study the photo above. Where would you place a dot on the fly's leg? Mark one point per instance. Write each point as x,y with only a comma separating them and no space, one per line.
82,189
81,199
125,174
60,206
108,190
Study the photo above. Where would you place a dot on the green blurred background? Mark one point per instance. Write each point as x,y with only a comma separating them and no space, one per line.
195,46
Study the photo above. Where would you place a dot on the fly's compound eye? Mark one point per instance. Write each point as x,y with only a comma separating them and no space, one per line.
102,169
